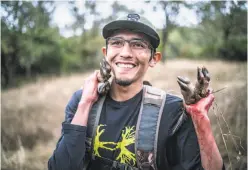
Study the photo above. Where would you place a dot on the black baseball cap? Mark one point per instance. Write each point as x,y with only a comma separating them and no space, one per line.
135,23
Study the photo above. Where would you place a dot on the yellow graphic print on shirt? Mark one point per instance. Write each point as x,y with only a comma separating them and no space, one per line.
98,144
125,156
128,138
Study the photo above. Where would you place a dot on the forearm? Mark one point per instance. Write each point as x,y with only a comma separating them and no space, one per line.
70,151
210,156
82,114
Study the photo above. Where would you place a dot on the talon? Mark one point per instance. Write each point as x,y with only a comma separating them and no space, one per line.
206,73
107,66
100,88
193,93
184,80
199,75
183,86
105,70
103,88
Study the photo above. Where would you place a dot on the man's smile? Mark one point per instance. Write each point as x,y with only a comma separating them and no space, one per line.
125,65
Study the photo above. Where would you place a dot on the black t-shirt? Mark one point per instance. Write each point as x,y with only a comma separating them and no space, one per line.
115,134
177,146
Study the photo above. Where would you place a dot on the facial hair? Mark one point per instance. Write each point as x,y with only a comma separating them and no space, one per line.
123,82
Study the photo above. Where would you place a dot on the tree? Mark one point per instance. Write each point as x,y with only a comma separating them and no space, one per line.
27,39
171,10
228,19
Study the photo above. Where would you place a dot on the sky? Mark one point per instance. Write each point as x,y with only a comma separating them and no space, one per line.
62,16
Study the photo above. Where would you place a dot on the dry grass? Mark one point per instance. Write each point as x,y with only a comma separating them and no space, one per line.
32,114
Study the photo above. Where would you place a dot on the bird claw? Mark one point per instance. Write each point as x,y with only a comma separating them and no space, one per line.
192,93
105,71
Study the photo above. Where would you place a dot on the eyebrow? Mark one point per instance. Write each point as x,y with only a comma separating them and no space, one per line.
142,39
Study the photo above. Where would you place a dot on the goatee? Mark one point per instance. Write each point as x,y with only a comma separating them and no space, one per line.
123,82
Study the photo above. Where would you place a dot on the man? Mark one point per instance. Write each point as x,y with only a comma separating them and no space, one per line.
130,50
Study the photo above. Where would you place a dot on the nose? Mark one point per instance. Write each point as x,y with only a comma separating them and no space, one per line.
126,51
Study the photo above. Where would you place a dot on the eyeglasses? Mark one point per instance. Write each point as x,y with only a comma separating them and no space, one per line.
136,44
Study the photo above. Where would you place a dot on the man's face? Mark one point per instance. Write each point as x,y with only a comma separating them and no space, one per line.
129,61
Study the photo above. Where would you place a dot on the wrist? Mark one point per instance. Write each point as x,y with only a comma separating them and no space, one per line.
82,113
201,119
85,103
202,124
86,99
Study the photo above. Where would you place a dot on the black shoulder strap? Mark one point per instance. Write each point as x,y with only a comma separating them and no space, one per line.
93,121
148,126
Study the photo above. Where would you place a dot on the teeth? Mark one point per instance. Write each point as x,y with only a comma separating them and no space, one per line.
125,65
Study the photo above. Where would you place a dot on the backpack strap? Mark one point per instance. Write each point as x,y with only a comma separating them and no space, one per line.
148,126
93,121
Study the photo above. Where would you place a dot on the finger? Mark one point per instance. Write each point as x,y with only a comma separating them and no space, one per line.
188,108
209,101
206,73
183,79
94,76
183,86
95,93
199,75
99,76
92,79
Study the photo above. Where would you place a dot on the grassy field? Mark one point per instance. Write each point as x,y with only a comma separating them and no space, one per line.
32,114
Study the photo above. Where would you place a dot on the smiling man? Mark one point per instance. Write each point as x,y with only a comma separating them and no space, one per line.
134,126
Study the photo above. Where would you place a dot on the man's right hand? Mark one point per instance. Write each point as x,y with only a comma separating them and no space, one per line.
88,98
90,94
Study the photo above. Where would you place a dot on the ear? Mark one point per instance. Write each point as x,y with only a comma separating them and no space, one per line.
104,51
155,59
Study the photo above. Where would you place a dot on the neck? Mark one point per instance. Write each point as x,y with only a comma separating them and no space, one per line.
123,93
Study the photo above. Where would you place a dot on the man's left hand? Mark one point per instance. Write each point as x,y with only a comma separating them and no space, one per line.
200,109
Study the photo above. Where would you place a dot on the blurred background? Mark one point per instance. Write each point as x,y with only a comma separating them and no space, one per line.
48,48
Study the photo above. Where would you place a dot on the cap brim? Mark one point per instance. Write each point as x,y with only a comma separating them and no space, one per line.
133,26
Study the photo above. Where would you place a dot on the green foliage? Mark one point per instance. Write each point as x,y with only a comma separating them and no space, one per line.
182,42
221,34
31,45
234,49
224,27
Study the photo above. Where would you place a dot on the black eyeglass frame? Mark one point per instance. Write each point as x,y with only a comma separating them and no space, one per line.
153,50
128,41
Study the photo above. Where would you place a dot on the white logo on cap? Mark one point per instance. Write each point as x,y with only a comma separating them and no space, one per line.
133,17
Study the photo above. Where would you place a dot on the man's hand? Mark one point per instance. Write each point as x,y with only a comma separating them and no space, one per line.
199,110
88,98
197,97
90,94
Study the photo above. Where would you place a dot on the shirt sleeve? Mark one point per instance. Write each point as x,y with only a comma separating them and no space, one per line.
70,149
